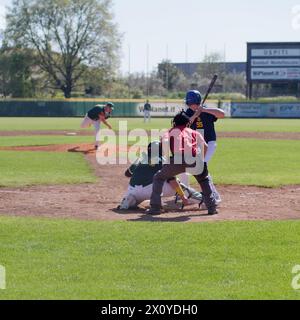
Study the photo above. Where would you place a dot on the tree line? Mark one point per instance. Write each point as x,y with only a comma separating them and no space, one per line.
71,48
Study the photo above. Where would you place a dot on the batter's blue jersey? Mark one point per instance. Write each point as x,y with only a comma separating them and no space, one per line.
206,122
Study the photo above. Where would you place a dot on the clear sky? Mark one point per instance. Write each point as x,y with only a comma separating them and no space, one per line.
183,30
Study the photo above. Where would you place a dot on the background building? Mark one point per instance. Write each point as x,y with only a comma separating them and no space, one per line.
189,69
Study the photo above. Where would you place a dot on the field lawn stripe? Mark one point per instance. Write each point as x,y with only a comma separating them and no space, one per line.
68,259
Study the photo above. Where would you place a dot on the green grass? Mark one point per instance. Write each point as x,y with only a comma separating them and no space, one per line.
38,140
36,124
65,259
43,140
226,125
47,168
269,163
70,124
258,125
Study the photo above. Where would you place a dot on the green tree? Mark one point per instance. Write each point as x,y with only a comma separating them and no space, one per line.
67,35
235,82
16,72
212,63
169,74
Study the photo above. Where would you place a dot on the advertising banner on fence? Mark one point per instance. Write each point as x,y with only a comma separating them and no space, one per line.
166,109
288,110
160,109
265,110
226,107
247,110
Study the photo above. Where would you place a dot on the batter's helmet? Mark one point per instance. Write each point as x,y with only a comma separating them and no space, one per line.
193,97
155,149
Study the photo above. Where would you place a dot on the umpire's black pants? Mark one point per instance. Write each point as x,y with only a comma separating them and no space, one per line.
171,170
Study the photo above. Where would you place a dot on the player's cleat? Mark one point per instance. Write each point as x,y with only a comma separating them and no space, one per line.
96,148
212,212
202,206
153,211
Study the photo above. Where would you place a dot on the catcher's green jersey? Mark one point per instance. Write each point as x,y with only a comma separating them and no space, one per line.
142,174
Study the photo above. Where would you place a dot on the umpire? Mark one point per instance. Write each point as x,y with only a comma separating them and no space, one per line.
182,140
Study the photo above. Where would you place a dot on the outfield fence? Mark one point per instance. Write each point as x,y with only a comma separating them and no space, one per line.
134,108
76,108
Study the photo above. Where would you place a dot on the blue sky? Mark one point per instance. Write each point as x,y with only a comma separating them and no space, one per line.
183,30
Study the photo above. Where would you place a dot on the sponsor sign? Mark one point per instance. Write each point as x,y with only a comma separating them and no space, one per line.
246,110
166,109
275,74
265,110
160,109
275,62
288,110
275,52
226,106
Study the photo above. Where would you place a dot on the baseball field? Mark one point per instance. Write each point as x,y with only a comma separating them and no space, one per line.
62,237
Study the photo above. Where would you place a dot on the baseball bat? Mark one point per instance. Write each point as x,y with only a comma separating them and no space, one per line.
212,83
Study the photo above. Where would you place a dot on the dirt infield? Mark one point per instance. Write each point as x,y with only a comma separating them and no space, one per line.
98,201
245,135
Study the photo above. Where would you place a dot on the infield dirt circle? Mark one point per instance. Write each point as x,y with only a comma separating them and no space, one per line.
99,201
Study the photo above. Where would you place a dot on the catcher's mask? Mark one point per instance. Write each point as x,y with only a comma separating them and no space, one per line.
155,150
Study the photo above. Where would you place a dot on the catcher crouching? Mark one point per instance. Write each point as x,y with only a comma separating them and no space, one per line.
141,175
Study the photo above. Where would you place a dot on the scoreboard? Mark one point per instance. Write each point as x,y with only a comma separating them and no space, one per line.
276,62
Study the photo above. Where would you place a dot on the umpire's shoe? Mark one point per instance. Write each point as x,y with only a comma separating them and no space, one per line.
154,211
213,211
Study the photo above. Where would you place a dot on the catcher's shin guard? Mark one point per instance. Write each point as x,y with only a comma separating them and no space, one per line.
191,194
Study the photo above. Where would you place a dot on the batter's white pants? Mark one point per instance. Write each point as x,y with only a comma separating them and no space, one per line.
87,122
211,149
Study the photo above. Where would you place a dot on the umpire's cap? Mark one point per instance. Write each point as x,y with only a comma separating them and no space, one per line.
181,119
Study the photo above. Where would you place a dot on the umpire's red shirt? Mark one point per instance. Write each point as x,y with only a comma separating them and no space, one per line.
183,140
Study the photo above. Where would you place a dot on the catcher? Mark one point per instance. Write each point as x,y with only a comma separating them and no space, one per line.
141,177
95,116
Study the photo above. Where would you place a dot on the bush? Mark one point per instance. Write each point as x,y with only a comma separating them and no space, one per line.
227,96
278,99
